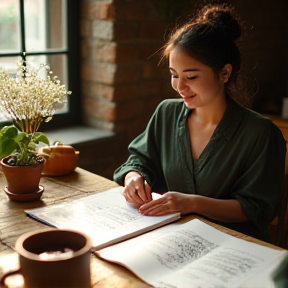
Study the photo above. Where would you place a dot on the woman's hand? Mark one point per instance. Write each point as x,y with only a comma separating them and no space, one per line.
169,203
136,191
226,210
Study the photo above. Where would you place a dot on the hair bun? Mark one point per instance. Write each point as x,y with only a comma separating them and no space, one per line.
222,16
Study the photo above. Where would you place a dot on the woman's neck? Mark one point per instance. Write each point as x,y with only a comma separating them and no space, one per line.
210,114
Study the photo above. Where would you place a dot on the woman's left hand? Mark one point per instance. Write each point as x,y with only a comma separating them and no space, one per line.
169,203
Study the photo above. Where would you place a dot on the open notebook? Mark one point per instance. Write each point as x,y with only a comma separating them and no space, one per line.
104,216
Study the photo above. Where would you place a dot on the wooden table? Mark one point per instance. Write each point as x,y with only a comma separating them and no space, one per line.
14,222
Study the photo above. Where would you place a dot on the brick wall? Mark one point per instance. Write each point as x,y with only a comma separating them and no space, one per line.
122,84
121,81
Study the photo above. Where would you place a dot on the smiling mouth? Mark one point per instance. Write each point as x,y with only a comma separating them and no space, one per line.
189,96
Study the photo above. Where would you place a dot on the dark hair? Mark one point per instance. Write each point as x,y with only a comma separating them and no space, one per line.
212,37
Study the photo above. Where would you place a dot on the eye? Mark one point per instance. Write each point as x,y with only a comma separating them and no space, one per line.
174,76
191,78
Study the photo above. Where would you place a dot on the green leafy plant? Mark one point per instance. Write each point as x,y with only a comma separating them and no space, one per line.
21,146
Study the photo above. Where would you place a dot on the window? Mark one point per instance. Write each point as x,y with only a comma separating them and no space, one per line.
48,32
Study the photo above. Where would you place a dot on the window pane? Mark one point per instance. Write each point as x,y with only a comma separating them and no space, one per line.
9,26
58,65
9,64
45,24
45,40
57,11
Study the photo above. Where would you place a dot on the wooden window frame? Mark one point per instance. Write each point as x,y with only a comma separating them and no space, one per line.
72,50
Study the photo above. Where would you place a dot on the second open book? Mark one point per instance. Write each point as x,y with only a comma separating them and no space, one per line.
196,255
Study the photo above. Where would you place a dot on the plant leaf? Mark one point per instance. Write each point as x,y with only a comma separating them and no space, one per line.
9,132
7,147
7,141
40,137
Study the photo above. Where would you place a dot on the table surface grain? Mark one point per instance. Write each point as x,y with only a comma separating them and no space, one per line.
14,222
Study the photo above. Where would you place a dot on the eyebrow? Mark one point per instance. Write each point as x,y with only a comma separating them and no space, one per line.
185,70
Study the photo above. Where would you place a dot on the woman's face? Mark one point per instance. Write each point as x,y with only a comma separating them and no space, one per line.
197,83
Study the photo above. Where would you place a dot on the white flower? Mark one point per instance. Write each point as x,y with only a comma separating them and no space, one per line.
33,95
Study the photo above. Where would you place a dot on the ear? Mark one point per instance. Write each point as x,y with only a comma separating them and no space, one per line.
226,73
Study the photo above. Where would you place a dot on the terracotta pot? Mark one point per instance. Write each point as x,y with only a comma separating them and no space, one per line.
22,179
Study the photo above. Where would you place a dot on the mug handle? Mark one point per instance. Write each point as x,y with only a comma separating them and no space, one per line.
6,275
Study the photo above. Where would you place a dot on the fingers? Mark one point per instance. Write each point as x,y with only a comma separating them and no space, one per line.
143,190
137,191
162,206
157,210
131,195
155,207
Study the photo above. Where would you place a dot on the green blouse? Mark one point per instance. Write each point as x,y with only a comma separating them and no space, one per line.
244,160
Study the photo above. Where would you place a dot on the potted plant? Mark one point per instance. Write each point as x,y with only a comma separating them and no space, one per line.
27,99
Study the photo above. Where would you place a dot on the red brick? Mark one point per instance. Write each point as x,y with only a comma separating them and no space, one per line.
99,72
110,73
118,93
125,92
103,110
127,52
102,91
103,51
105,11
103,29
126,30
130,109
107,51
127,73
149,87
97,10
153,30
134,10
115,93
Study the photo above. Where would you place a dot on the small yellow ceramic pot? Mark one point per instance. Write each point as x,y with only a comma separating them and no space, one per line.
62,159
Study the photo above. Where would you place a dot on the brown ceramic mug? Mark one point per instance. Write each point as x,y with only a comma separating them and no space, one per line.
53,258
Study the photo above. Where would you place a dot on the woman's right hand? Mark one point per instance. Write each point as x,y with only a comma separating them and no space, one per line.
136,190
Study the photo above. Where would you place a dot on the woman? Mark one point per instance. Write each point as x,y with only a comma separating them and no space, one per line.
205,152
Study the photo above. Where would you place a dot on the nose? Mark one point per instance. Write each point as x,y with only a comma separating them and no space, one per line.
181,86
